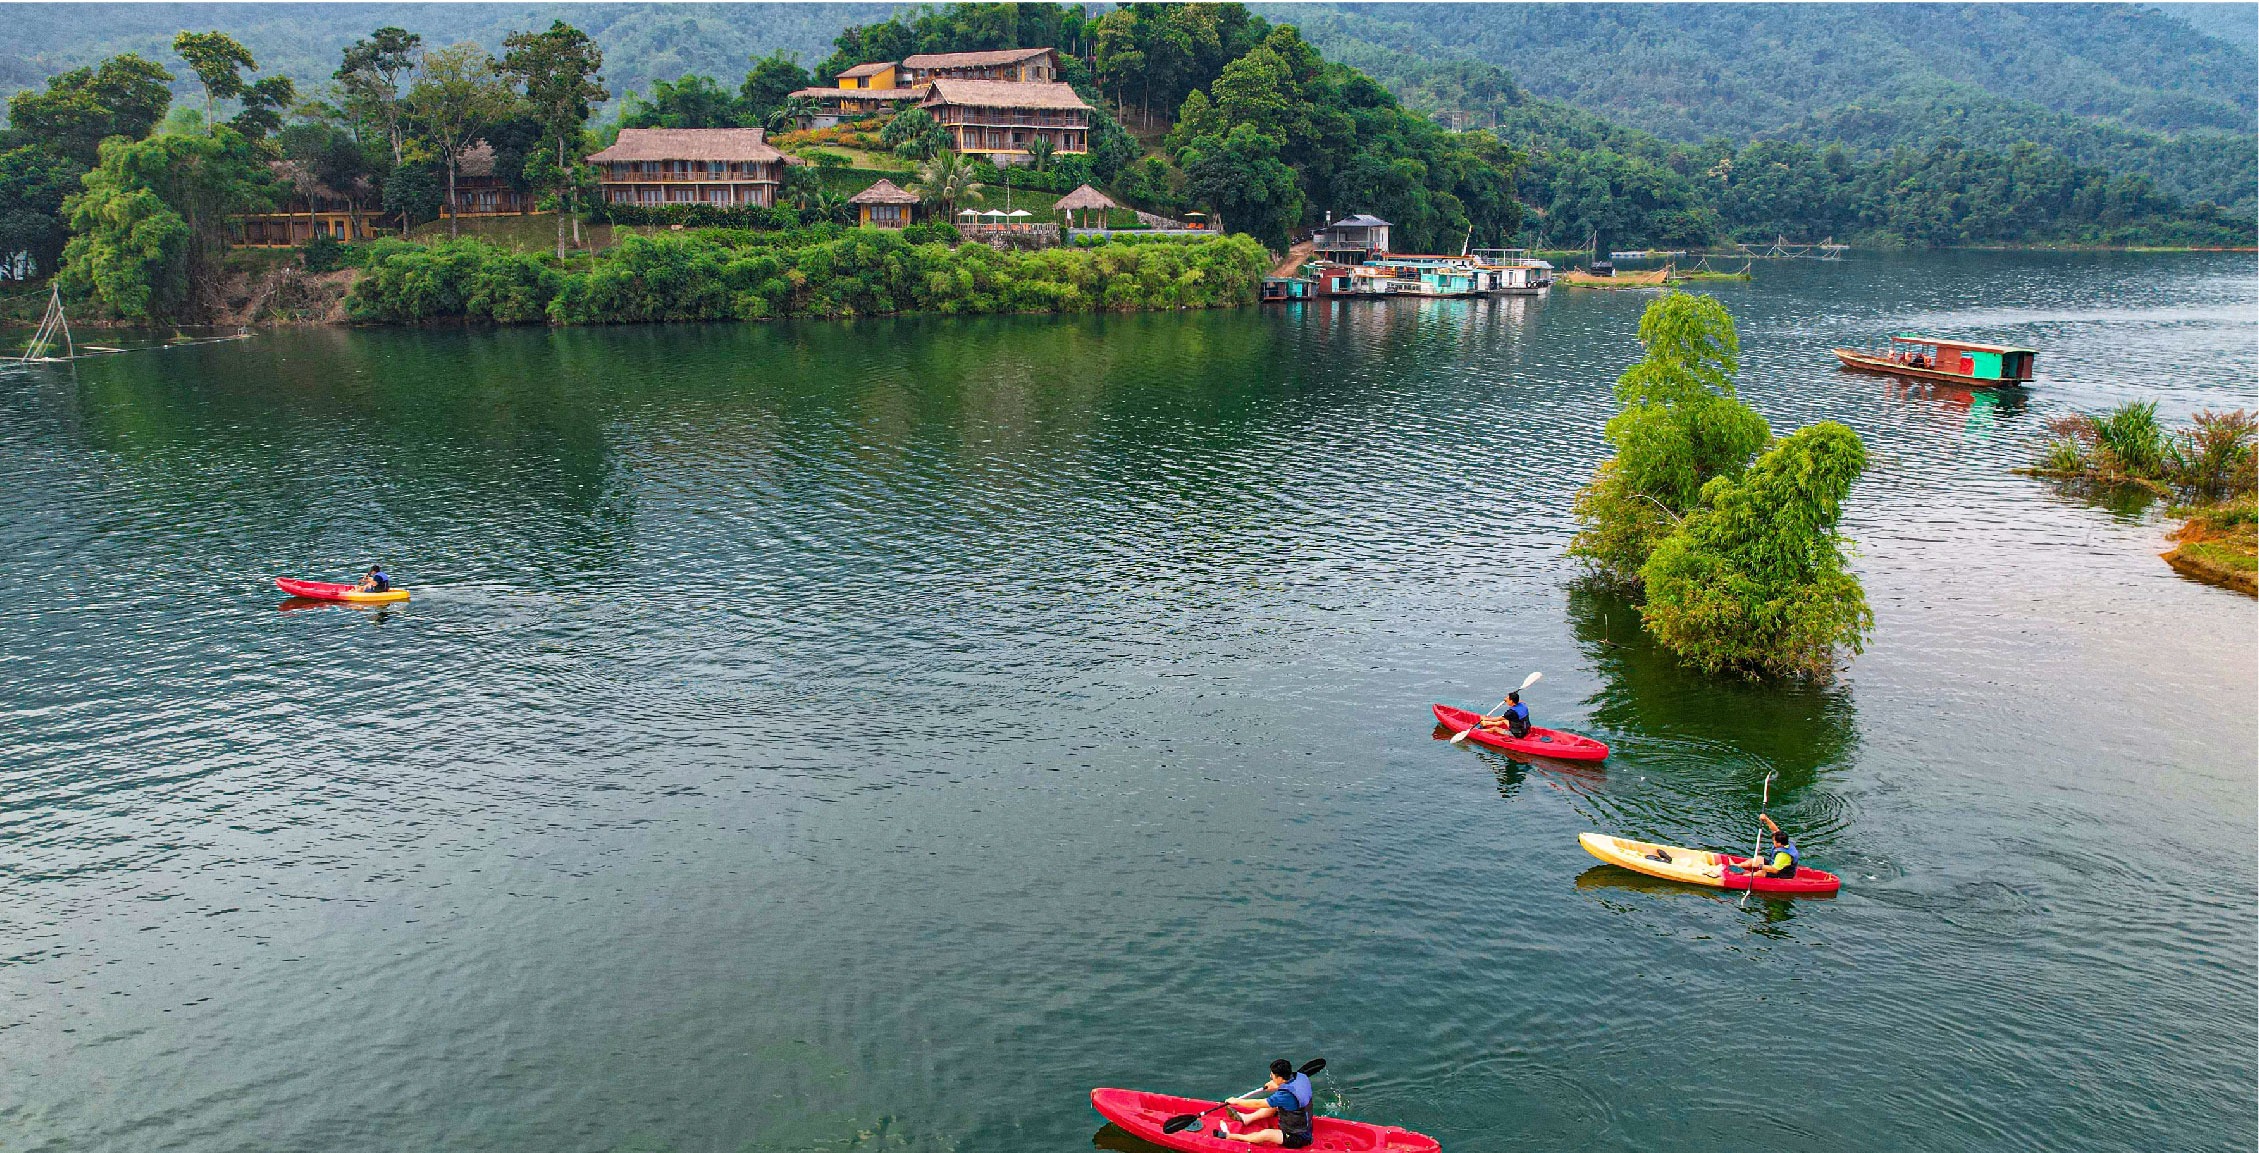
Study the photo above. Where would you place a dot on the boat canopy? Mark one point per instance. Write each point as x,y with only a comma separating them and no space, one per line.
1951,342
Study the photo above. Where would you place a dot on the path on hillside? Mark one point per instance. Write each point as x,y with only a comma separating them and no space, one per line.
1295,258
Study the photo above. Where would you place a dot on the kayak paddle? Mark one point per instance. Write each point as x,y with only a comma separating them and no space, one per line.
1532,679
1757,850
1184,1121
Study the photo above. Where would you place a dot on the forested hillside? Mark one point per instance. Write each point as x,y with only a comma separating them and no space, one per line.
642,42
2116,86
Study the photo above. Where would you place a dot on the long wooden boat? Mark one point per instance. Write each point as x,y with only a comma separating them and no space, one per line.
1650,278
1951,361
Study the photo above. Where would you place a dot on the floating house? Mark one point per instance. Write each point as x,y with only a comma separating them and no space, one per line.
885,205
723,167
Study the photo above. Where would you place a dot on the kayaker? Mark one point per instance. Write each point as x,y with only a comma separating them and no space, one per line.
1784,858
1286,1103
1515,720
375,582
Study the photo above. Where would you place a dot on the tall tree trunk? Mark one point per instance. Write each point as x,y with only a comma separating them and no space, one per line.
454,224
562,183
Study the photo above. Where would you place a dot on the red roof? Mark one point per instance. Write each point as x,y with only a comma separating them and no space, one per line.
738,144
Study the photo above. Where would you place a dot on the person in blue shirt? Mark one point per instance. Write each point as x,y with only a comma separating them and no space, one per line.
1285,1103
375,582
1515,720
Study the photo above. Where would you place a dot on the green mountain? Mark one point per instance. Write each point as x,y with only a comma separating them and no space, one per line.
641,42
2120,86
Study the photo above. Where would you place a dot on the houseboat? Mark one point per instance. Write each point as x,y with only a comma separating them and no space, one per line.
1952,361
1280,289
1515,272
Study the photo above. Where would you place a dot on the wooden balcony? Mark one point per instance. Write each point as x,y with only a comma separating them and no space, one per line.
762,174
1011,118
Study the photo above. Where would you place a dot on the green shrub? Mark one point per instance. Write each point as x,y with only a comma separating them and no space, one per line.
324,253
720,274
1755,580
2216,457
2133,438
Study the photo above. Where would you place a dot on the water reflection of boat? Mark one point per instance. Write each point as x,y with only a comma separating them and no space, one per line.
1119,1140
382,610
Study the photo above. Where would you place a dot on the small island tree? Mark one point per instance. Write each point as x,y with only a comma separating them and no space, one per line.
1741,565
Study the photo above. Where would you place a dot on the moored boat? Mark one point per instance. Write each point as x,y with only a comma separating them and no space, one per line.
1953,361
1145,1116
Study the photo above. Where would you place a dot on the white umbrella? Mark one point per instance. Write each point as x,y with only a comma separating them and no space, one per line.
970,212
1019,212
993,212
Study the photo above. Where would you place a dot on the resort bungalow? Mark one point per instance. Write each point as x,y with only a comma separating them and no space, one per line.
480,191
1017,65
864,90
1352,239
310,209
1000,118
724,167
885,205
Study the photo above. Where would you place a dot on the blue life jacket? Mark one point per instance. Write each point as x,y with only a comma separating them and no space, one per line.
380,582
1296,1120
1794,858
1518,720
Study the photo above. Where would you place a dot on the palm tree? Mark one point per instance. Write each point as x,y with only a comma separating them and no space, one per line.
945,180
1039,151
790,113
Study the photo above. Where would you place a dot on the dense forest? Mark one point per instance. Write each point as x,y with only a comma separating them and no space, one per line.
2117,86
123,171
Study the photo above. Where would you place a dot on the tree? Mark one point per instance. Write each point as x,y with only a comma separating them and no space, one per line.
1039,151
1242,177
1755,581
945,180
416,189
373,73
1680,427
320,157
559,70
263,105
772,81
123,96
218,62
459,96
34,183
913,134
694,101
150,228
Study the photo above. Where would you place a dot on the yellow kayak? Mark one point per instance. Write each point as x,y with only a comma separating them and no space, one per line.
1700,866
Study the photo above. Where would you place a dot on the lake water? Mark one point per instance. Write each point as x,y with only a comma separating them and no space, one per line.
874,735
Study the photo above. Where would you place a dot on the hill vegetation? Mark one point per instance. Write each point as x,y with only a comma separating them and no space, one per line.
2111,85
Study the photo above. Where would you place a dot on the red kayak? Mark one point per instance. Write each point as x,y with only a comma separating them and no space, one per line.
325,591
1143,1115
1540,743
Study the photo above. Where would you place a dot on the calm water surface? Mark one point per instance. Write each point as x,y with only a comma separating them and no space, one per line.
874,735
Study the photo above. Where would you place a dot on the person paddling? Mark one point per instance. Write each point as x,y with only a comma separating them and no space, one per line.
1785,856
1515,721
1286,1104
375,582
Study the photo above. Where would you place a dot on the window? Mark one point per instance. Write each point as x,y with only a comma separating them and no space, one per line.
717,195
651,196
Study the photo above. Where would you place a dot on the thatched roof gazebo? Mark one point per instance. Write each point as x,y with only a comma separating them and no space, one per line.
1085,200
885,204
